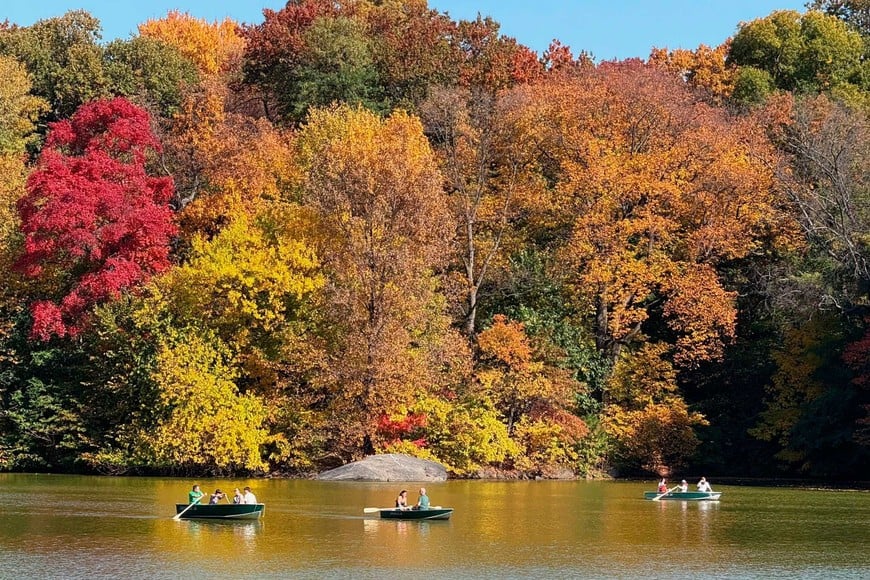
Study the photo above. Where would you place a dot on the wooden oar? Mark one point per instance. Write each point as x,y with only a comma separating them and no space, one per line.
661,495
181,513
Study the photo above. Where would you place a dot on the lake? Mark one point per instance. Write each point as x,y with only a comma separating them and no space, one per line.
58,526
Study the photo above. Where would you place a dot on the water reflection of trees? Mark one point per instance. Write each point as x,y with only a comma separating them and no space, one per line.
693,521
223,537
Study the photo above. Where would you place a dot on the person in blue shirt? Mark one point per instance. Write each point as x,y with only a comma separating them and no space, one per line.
423,500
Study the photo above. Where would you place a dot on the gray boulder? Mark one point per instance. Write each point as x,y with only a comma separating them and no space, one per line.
388,467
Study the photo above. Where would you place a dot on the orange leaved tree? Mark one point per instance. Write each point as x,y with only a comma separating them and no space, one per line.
375,188
653,189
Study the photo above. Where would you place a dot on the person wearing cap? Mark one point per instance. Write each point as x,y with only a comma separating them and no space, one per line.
216,497
402,500
684,487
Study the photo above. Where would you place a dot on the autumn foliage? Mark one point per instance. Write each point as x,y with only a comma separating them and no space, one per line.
214,47
95,222
362,226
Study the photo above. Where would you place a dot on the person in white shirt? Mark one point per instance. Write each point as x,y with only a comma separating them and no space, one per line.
704,485
248,496
684,487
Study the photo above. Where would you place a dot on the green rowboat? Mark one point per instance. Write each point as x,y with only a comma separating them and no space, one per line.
684,496
220,511
414,514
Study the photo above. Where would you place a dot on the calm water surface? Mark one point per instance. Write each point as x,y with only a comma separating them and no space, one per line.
100,527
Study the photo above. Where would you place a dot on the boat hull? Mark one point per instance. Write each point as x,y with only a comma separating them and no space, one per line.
430,514
684,496
250,511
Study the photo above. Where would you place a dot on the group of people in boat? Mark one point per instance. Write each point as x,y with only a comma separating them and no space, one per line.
422,501
239,497
703,485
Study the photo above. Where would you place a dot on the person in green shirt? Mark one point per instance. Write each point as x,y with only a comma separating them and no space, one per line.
194,495
423,500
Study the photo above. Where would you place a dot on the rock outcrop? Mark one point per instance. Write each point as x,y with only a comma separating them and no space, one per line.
388,467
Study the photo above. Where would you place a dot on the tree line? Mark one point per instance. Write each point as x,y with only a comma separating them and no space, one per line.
363,227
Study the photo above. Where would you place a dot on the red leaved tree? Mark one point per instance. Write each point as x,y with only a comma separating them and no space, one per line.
95,223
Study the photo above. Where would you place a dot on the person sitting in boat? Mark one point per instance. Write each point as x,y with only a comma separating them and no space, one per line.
423,500
402,500
663,485
194,495
237,496
684,487
249,496
216,497
704,485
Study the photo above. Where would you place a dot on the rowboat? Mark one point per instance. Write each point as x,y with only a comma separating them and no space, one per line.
684,495
220,511
414,514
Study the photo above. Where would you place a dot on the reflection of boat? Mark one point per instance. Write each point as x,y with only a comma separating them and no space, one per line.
684,495
414,514
220,511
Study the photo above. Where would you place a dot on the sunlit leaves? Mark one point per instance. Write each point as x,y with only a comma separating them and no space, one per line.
462,434
64,57
207,422
19,110
214,47
531,397
337,66
854,12
658,437
506,343
246,282
657,184
411,48
812,51
374,186
703,67
93,219
226,164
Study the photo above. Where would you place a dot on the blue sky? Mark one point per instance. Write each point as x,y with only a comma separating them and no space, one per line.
607,28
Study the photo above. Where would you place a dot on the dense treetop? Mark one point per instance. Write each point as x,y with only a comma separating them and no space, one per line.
363,227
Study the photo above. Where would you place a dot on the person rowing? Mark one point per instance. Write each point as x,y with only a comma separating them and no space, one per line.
195,494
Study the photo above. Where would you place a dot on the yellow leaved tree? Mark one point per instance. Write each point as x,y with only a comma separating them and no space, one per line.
206,423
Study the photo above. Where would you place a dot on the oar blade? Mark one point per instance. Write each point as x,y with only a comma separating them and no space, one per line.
371,510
